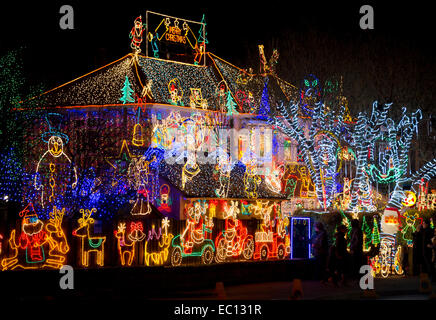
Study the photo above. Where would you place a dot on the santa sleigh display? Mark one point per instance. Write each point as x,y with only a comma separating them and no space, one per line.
195,240
270,245
271,241
234,241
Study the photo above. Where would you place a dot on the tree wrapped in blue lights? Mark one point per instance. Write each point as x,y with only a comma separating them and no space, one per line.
319,145
366,131
264,108
382,148
11,173
388,161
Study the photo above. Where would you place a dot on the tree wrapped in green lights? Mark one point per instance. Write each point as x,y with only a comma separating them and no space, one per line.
382,148
367,233
375,237
13,123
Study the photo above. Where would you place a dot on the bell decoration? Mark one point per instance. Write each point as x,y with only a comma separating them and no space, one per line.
138,136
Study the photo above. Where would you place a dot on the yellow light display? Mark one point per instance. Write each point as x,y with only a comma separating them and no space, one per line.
56,239
190,169
89,243
127,250
409,199
307,188
196,99
139,170
30,248
175,90
161,256
138,138
251,179
223,167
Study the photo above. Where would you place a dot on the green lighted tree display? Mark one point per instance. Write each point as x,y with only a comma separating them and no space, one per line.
127,92
366,230
375,239
231,104
17,108
202,32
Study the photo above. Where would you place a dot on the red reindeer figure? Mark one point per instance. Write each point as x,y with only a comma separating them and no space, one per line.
89,243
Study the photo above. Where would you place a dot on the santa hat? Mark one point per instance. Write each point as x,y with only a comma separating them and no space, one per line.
28,214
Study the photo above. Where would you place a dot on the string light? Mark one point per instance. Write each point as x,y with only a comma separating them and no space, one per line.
160,256
196,101
234,240
136,34
89,243
127,250
318,148
29,249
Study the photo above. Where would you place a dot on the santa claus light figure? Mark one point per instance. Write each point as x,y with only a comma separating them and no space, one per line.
136,34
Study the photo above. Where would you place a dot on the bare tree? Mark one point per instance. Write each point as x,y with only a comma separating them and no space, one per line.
319,145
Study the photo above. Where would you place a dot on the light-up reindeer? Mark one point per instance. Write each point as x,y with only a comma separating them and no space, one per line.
89,243
56,239
12,262
127,250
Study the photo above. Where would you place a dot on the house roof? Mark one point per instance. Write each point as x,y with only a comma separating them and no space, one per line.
103,86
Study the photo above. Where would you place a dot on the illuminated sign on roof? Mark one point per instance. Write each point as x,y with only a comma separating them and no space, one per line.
175,38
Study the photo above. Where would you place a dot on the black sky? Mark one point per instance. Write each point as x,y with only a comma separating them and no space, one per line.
234,29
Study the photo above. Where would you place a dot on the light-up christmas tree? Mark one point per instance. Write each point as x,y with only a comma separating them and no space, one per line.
127,92
202,32
231,104
375,239
366,230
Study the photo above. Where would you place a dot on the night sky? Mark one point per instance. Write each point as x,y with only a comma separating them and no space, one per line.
234,29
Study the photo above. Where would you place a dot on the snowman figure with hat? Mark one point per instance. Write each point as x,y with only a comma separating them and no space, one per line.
55,174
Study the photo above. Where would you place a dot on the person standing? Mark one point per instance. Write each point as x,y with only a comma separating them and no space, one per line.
433,257
417,250
338,256
427,246
320,251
